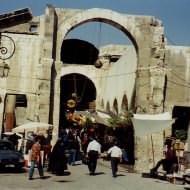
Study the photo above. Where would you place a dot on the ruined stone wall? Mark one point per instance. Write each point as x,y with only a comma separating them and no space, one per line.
147,36
178,77
22,78
30,69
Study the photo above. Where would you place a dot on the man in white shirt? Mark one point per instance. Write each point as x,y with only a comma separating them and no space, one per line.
93,152
116,157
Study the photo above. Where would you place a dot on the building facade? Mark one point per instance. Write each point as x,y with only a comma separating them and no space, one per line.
47,68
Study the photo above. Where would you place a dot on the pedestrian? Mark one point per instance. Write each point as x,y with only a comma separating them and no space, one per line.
73,148
125,155
93,152
58,159
35,158
115,154
169,163
84,142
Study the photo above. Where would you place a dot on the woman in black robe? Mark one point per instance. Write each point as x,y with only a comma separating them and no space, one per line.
58,159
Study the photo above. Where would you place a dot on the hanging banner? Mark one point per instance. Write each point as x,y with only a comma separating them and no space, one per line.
146,124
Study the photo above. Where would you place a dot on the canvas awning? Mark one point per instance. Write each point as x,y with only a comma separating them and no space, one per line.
145,124
32,126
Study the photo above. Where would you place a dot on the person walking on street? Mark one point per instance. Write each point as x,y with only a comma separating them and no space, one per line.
35,159
93,152
73,147
116,157
58,159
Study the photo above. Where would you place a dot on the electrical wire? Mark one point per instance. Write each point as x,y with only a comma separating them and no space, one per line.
179,84
178,76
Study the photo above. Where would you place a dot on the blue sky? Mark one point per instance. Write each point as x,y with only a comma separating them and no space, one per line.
174,14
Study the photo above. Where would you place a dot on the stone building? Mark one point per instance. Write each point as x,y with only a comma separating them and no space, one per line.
46,69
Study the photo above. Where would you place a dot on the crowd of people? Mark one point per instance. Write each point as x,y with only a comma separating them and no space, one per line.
72,146
75,145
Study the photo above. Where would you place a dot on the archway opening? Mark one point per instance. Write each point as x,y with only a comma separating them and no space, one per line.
181,124
77,56
78,88
115,107
76,51
124,104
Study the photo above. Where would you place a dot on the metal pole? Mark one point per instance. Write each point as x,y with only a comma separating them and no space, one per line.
152,144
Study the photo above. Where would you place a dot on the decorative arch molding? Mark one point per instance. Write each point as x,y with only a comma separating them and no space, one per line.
64,72
120,21
108,107
124,103
145,32
102,103
115,107
147,35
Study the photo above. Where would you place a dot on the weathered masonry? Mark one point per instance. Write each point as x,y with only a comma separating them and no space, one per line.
43,63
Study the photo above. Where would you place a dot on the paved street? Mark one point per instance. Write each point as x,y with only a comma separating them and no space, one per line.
80,180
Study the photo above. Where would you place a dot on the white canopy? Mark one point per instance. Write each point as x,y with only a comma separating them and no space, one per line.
145,124
32,126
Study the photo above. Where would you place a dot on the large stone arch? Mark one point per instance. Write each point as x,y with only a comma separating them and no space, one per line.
145,32
117,20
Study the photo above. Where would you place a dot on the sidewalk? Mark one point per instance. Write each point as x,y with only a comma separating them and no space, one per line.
121,168
173,179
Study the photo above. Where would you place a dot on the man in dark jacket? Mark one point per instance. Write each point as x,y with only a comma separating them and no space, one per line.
168,163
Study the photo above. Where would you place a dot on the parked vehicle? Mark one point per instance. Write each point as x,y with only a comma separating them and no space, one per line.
9,157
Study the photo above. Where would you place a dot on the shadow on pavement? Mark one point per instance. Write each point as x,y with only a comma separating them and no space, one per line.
154,176
99,173
65,173
118,175
63,181
44,177
147,175
96,173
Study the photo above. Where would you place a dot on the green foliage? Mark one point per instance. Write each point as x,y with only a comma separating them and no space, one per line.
123,120
181,134
88,122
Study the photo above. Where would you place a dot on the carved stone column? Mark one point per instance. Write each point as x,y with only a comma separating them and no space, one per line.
157,81
58,66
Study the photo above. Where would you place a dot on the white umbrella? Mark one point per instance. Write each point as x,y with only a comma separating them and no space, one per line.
32,126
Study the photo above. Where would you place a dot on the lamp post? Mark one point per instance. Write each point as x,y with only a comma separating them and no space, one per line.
7,49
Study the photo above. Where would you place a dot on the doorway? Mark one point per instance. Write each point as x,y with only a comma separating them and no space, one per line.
180,127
